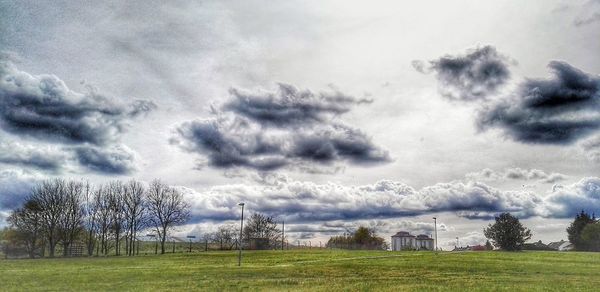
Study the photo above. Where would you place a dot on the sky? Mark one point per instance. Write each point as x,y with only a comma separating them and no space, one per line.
327,115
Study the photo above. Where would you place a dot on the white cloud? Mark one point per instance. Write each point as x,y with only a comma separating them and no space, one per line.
298,201
516,174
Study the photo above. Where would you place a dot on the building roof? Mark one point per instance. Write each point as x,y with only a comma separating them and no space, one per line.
403,234
424,237
556,245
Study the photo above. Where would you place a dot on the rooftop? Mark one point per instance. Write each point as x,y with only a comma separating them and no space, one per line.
403,234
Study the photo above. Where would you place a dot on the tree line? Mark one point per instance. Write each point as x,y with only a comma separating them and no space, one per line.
507,233
584,232
361,238
260,232
105,218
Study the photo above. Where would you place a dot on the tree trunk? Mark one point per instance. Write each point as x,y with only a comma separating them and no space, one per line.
51,247
117,245
163,239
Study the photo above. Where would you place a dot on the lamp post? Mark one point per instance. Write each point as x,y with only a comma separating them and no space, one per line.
457,245
435,229
241,234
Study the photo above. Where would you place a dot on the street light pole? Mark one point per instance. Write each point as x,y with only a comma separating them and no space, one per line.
282,234
241,234
435,228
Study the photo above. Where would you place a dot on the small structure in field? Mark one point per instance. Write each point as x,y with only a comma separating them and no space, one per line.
405,241
259,243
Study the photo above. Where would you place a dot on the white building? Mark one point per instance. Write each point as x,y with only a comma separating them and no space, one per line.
404,240
561,245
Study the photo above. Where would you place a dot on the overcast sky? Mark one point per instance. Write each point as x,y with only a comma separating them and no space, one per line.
326,114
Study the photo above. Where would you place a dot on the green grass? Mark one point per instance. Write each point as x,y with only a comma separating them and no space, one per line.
322,270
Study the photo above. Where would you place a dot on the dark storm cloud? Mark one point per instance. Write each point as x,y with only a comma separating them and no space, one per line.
289,105
559,110
290,128
337,142
474,76
42,106
119,160
44,109
231,144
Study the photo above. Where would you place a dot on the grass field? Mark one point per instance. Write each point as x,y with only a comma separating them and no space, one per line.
310,270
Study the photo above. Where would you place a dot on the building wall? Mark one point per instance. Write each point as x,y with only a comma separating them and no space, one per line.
425,244
400,243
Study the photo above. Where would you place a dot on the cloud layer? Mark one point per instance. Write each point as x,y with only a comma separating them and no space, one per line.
559,110
271,130
516,174
473,76
42,110
300,202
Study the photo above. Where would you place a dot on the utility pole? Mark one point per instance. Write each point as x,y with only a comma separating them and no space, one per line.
435,228
282,234
241,234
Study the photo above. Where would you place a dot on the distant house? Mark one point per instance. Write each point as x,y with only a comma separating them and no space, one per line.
405,241
561,245
538,245
462,248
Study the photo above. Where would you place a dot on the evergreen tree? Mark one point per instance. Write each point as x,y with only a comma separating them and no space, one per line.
576,228
591,236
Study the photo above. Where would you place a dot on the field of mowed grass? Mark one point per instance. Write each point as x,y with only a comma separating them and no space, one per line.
318,270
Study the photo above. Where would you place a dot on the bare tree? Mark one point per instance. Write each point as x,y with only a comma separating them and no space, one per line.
71,219
27,222
116,203
262,226
167,209
135,212
103,218
227,236
90,215
49,197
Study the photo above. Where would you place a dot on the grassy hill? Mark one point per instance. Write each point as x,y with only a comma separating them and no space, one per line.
310,270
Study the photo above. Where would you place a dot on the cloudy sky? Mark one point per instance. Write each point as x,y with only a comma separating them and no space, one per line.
325,114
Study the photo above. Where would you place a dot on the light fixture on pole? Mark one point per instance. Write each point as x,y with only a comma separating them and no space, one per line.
241,234
435,229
